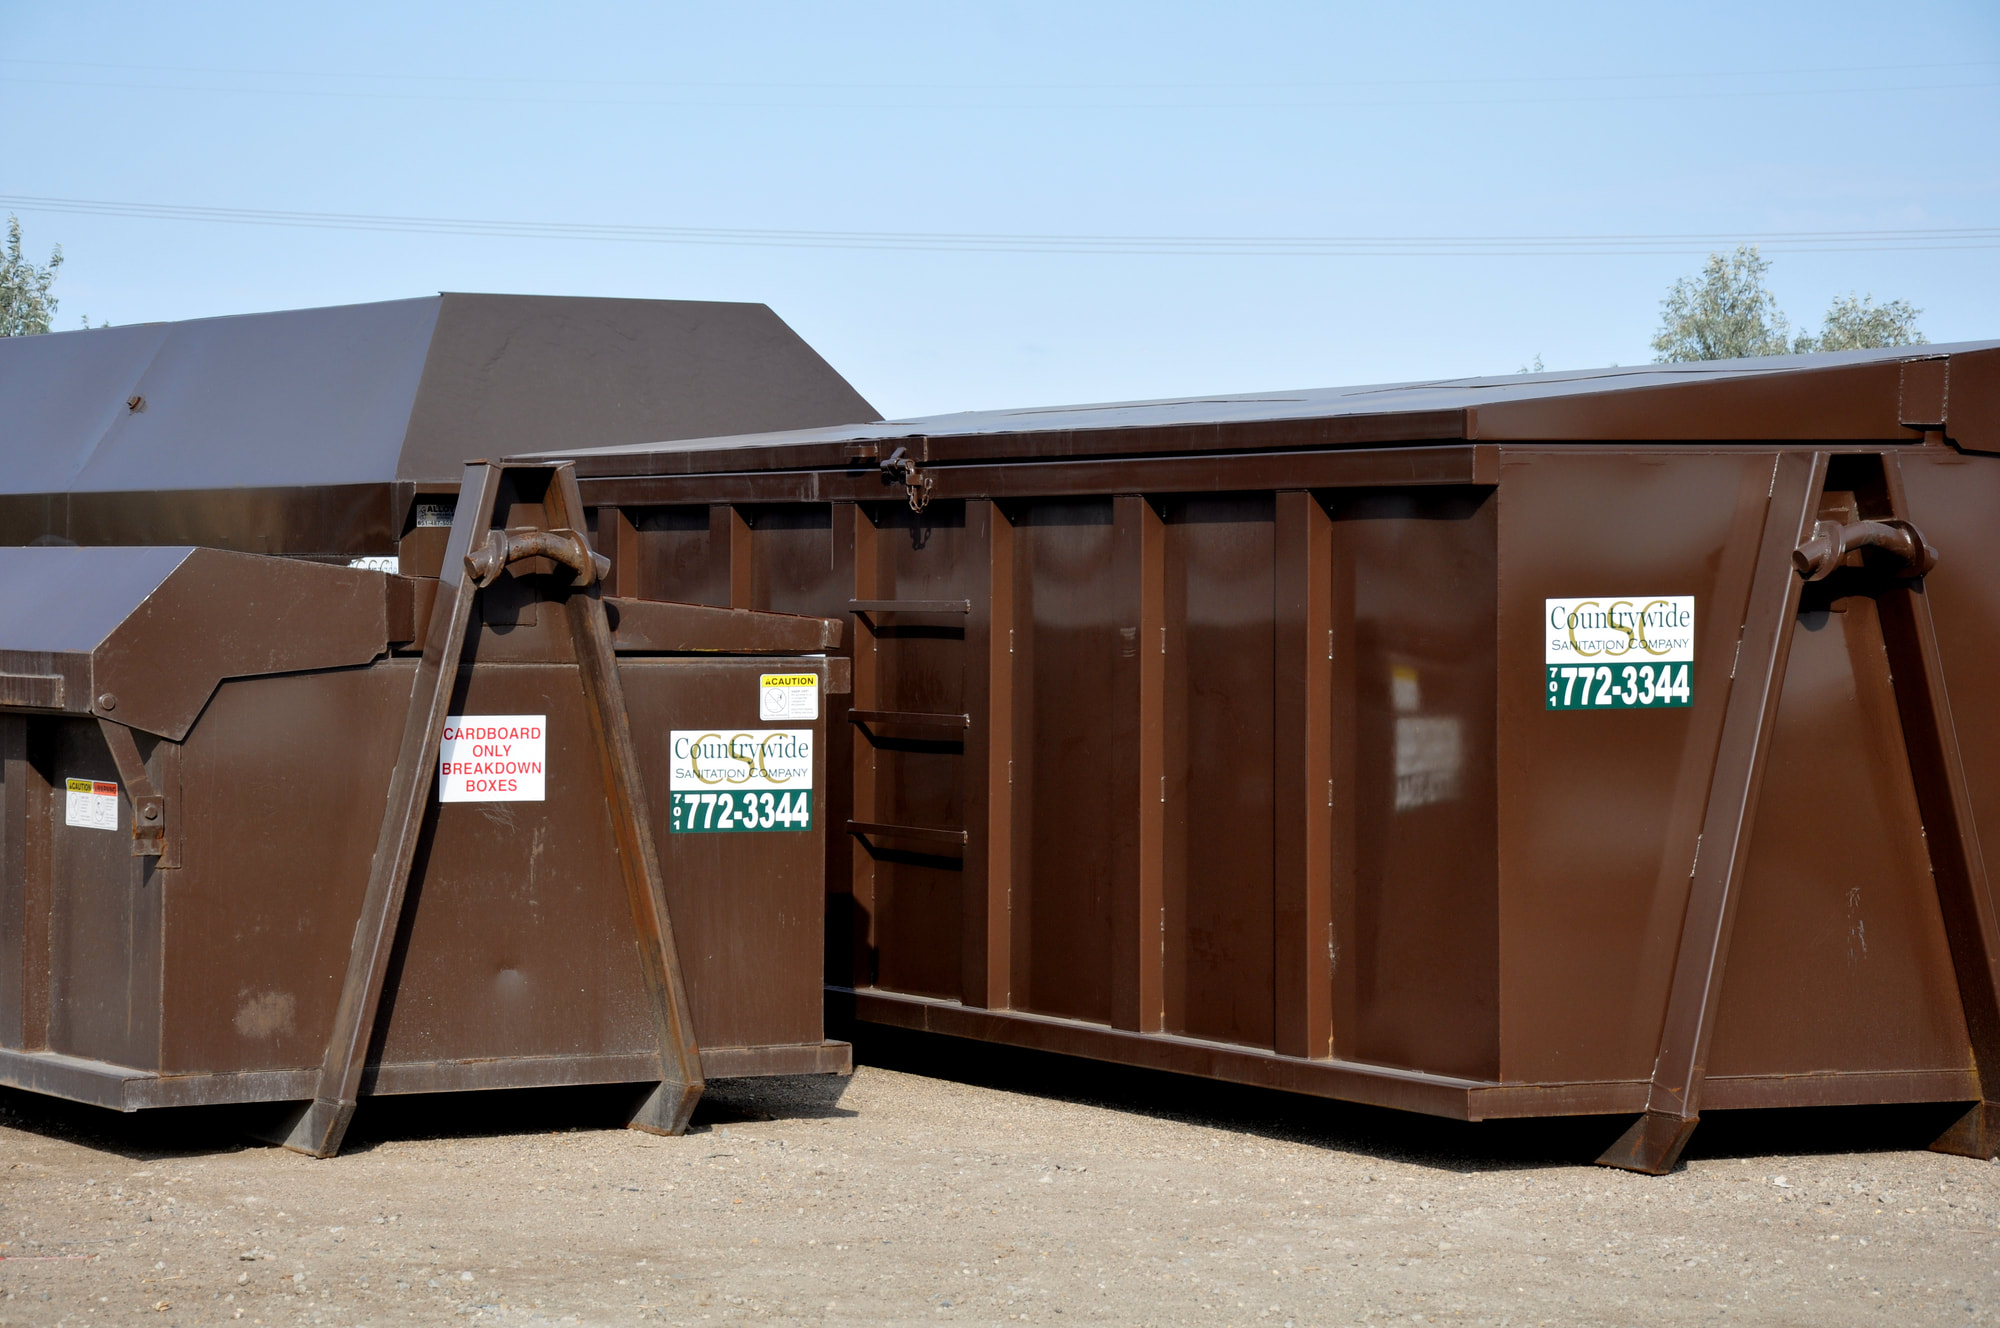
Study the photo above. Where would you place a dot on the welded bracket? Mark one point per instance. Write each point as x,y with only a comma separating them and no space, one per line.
149,806
1832,545
503,548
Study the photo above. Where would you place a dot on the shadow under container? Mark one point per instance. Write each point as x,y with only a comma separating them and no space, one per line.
1308,740
196,748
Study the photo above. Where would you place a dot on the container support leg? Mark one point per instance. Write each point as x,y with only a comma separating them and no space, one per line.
319,1129
1654,1142
1958,863
668,1106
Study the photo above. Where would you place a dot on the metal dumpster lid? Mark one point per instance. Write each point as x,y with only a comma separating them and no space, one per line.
1843,395
403,390
144,635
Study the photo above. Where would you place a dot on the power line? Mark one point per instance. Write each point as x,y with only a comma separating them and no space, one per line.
942,97
710,104
1626,76
1270,246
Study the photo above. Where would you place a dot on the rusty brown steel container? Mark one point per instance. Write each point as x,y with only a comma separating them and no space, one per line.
1615,742
273,831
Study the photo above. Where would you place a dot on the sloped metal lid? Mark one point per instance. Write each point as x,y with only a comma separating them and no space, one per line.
70,600
306,397
145,635
405,390
1853,395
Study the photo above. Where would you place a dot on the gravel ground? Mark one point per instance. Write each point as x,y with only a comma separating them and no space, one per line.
895,1197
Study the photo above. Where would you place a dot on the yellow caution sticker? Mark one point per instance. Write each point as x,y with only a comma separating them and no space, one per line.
788,696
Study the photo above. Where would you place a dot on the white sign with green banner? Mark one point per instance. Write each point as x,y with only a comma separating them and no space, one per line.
1619,652
737,780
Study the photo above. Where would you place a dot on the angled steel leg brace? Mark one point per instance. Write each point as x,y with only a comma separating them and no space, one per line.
667,1107
1958,863
475,555
1673,1105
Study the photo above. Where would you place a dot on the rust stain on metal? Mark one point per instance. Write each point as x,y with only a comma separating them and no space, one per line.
267,1014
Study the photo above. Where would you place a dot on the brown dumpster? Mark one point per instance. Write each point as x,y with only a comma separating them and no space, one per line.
339,433
1613,742
274,831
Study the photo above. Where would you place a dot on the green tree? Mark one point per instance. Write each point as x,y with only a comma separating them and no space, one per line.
1726,311
1859,323
26,306
1723,312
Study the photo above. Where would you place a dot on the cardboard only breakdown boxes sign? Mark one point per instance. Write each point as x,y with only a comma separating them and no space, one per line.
493,758
1619,652
737,780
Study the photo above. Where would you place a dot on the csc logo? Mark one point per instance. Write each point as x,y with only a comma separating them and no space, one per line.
736,759
1610,618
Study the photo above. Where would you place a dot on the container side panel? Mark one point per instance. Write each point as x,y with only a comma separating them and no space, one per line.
792,563
1838,960
283,783
14,776
797,567
1954,501
921,664
329,520
1600,808
851,947
104,935
1221,807
519,938
1067,645
747,909
1422,991
38,886
676,557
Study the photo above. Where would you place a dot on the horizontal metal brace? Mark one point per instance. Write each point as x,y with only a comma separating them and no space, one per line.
909,606
913,718
919,834
32,691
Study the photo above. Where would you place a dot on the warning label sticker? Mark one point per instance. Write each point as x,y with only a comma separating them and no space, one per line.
1618,652
493,758
726,780
91,804
788,696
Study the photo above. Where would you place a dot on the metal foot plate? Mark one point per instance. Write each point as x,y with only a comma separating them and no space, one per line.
1653,1145
666,1108
1975,1134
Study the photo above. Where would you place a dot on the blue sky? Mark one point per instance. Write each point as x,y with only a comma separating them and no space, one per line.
1424,124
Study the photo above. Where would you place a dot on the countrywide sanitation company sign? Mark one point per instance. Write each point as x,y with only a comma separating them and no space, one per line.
741,779
1619,652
